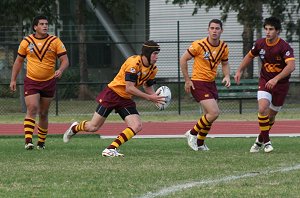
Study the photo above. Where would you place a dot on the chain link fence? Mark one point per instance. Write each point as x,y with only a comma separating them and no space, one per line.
102,66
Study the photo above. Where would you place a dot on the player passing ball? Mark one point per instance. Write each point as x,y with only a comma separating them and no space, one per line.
137,70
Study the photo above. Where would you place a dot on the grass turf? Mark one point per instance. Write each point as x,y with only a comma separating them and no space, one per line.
77,169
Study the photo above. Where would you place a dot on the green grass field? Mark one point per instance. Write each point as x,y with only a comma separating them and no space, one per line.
150,168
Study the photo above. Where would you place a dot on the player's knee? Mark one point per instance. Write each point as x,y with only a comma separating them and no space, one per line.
43,116
32,110
213,115
137,127
91,128
262,111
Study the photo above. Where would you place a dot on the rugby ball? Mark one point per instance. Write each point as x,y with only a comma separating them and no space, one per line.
164,91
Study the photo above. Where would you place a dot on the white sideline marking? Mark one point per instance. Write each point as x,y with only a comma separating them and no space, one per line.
179,187
210,136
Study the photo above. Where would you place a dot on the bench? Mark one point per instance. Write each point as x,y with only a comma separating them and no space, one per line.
247,89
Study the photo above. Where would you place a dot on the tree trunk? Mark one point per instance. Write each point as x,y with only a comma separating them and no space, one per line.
84,92
247,45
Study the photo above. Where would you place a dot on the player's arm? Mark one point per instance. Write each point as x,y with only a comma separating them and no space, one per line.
184,70
64,64
245,62
148,89
226,73
289,68
131,89
15,71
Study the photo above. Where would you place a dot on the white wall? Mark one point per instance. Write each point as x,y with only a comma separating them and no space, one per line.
163,27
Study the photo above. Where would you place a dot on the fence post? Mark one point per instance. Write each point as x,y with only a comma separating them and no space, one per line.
178,63
56,99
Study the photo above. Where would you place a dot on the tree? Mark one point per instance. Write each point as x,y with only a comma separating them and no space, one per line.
249,14
19,13
118,10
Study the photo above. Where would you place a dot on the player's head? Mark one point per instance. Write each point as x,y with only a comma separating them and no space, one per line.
217,21
36,20
148,48
273,21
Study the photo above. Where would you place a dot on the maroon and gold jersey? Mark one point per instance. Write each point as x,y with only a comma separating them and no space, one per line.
273,56
134,67
41,55
207,58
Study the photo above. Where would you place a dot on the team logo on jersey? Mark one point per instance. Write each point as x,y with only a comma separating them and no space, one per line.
262,53
132,70
288,53
31,47
206,55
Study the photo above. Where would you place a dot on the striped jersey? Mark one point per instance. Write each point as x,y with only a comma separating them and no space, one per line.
133,66
273,56
41,55
207,58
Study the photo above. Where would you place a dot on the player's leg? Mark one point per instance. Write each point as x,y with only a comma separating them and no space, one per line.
107,100
93,125
32,105
47,91
211,113
43,121
134,125
206,94
264,99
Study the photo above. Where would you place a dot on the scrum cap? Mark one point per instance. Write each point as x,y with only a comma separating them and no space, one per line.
148,48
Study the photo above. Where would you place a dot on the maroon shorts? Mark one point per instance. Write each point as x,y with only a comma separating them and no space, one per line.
44,88
279,92
204,90
110,100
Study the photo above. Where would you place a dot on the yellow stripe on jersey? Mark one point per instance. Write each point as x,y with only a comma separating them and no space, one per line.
41,55
132,65
207,58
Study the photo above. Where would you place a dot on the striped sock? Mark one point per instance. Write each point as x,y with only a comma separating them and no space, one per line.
264,126
42,133
29,125
201,128
123,137
79,127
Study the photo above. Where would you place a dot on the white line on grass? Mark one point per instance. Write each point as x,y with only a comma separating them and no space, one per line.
179,187
210,136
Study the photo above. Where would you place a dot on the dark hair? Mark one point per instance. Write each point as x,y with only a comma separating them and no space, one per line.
148,48
273,21
217,21
36,20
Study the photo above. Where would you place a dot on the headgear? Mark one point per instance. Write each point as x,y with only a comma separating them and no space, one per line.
148,48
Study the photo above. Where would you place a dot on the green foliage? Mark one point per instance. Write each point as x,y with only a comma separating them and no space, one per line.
69,90
17,11
121,10
250,12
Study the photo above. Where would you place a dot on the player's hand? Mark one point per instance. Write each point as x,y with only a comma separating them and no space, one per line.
58,74
188,85
226,81
157,99
237,77
13,86
271,83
